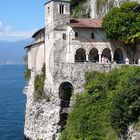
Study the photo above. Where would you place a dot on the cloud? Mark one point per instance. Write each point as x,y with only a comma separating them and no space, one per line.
0,24
7,33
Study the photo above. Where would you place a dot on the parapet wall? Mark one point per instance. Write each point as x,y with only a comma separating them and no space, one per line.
75,73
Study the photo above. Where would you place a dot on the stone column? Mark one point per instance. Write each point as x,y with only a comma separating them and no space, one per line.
87,57
112,57
100,58
139,61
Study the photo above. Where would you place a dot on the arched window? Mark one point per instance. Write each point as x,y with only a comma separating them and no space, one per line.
80,55
93,55
61,9
118,56
106,55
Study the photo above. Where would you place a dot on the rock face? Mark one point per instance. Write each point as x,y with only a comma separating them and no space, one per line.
133,134
41,122
104,8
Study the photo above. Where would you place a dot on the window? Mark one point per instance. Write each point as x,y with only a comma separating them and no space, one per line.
92,36
48,10
61,9
64,36
76,35
80,55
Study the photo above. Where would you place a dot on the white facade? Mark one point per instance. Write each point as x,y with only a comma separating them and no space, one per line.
36,54
61,45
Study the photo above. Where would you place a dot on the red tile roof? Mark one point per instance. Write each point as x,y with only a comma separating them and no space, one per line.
86,23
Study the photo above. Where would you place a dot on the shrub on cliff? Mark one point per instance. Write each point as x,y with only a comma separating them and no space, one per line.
126,101
110,103
27,72
39,86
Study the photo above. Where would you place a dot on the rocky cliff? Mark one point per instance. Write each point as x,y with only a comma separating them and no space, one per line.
98,8
41,118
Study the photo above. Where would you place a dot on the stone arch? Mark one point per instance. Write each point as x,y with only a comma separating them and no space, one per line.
65,92
93,55
119,56
106,55
80,55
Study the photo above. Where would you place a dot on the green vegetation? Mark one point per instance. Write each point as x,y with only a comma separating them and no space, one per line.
110,103
27,72
79,9
39,86
123,23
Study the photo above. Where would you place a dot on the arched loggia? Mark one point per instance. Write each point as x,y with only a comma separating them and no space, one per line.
80,55
65,93
118,56
93,55
106,55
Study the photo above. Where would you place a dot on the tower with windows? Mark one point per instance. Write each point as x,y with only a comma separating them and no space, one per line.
57,13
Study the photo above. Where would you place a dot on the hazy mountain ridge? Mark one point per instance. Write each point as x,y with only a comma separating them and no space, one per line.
13,51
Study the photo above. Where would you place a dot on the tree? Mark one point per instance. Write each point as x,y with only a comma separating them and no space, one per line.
123,23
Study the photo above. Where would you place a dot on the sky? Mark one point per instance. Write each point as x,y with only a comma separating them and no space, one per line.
19,19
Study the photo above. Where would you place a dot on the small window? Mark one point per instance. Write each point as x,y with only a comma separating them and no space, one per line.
64,36
76,35
48,10
92,36
61,9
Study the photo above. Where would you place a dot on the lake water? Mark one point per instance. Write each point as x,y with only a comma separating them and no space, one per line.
12,102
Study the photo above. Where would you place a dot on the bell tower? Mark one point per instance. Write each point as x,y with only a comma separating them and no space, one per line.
57,14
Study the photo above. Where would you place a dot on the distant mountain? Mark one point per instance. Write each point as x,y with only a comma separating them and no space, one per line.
13,51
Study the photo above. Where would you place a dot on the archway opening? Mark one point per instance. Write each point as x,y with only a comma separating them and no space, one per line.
118,56
93,55
65,93
106,55
80,55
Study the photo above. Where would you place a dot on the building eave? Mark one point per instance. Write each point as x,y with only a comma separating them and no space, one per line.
37,32
57,1
31,45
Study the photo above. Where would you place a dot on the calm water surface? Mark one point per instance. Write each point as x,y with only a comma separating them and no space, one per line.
12,102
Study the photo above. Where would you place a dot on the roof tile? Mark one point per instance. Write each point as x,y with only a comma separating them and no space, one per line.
86,23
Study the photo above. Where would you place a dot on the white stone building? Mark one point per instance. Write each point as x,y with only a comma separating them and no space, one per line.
35,53
69,48
79,40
